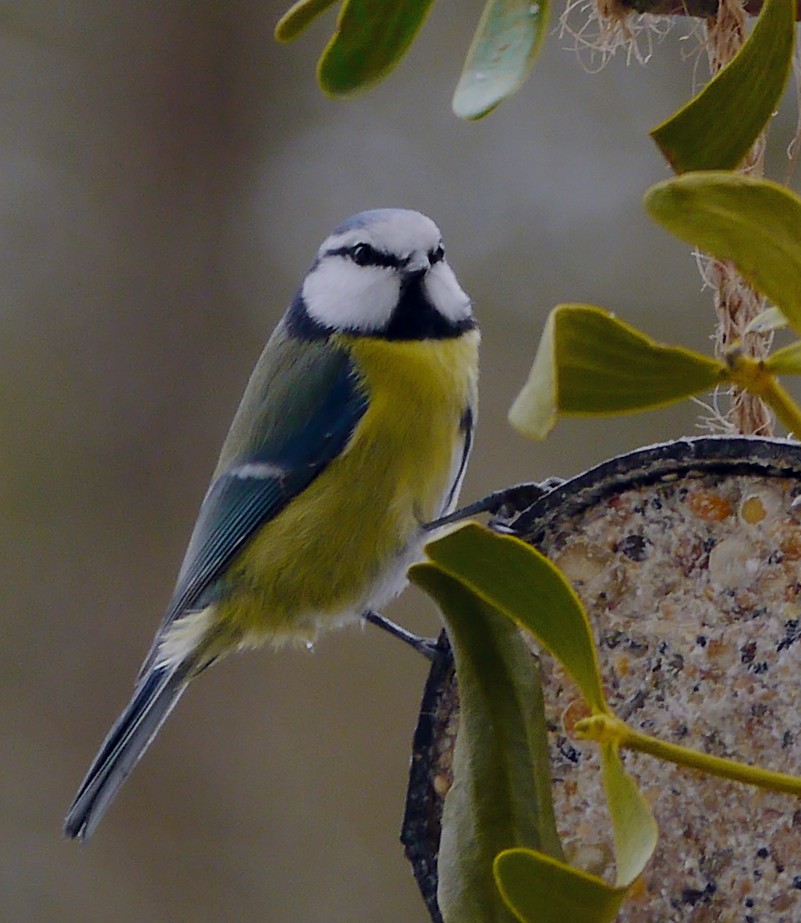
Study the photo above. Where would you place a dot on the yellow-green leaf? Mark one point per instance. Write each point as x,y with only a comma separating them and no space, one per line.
536,408
590,363
766,321
753,222
506,42
633,825
785,361
505,576
527,588
501,794
298,17
370,39
715,130
540,889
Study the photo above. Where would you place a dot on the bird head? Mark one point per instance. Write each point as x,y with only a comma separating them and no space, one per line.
383,273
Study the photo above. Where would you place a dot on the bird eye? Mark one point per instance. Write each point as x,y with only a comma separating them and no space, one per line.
437,255
363,255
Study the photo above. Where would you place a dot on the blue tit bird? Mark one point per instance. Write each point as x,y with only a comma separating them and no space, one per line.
352,436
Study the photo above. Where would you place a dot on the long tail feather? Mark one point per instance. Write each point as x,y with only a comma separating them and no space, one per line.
153,700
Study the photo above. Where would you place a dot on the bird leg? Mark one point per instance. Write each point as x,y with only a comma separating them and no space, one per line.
425,646
501,504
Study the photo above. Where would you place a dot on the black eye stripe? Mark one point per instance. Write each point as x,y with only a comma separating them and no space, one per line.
365,255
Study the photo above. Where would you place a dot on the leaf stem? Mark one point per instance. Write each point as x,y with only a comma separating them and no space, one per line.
751,375
785,408
603,727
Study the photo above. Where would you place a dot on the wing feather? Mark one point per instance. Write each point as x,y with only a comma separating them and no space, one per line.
466,427
298,435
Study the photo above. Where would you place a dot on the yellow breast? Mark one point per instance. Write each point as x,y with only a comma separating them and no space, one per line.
322,556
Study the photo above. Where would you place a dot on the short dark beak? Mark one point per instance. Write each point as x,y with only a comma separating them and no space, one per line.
414,272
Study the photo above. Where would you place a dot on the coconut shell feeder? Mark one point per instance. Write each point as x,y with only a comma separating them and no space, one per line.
687,557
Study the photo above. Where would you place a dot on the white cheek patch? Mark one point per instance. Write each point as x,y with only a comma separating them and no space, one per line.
343,296
444,293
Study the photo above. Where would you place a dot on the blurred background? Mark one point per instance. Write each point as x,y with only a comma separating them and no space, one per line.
167,172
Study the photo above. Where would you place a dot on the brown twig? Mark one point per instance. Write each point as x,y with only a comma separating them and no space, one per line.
702,9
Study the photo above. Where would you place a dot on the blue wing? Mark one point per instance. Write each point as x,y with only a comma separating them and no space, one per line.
317,407
297,415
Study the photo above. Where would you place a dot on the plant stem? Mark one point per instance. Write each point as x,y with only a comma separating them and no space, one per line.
752,376
604,727
785,408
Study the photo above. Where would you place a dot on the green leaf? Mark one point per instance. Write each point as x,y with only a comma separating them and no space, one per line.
500,795
299,17
370,39
635,830
716,129
536,408
527,588
590,363
785,361
506,42
540,889
507,577
766,321
753,222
